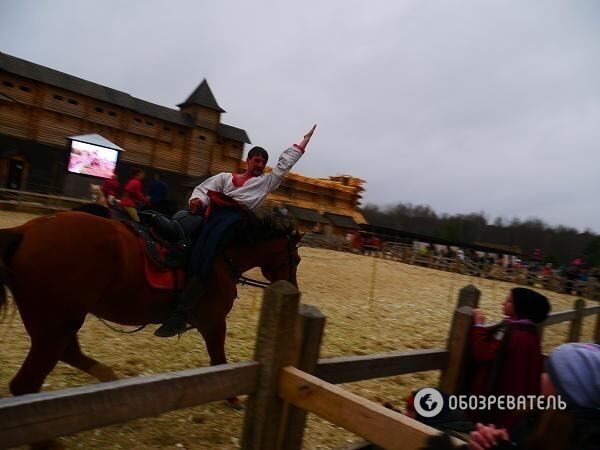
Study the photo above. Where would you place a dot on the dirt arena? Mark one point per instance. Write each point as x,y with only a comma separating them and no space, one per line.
410,309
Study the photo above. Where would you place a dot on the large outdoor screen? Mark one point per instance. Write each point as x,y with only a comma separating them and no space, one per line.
89,159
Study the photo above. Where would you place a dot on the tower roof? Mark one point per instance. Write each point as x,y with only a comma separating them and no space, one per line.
203,96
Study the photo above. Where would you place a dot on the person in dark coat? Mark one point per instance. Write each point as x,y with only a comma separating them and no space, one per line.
507,358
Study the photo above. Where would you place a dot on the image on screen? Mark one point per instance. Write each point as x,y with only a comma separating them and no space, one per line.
89,159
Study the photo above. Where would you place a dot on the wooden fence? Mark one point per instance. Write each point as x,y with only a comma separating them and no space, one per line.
285,380
35,202
405,253
408,254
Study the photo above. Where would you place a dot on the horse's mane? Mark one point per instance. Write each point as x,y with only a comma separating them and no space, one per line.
264,226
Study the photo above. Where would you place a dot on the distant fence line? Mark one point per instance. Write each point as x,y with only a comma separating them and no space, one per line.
35,202
405,253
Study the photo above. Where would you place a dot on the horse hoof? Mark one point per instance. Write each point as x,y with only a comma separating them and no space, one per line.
103,373
234,403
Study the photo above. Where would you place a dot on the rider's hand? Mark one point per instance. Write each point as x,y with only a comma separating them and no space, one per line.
304,142
196,205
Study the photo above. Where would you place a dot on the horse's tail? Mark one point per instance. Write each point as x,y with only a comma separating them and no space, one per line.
9,242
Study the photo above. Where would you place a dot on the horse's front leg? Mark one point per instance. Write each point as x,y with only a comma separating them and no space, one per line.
214,337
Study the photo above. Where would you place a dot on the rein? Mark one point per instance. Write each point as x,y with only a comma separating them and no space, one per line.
252,282
108,325
239,278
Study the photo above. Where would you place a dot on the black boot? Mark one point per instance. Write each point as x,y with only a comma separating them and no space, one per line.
177,323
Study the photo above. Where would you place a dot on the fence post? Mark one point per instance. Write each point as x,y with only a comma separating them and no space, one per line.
592,288
309,333
452,377
575,330
274,342
554,284
469,296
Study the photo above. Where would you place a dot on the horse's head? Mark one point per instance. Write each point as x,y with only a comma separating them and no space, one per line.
271,243
283,259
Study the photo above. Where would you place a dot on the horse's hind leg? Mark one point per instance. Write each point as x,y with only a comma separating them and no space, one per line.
41,359
73,356
43,356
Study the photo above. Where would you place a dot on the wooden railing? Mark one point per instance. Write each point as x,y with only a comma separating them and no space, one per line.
407,254
35,201
38,417
285,380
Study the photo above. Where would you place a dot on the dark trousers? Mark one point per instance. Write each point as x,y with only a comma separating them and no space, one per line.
214,235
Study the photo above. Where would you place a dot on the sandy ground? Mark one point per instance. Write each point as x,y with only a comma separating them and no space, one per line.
407,307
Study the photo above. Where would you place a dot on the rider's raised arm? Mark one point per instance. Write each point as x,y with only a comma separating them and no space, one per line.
306,139
287,159
215,183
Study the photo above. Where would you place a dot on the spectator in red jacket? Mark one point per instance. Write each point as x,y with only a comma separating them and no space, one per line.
133,194
508,357
110,189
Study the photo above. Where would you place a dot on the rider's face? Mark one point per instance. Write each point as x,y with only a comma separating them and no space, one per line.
256,165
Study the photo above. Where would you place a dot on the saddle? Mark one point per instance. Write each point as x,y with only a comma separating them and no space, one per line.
167,242
167,245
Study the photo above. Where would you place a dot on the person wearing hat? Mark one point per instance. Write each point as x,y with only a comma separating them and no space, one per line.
507,358
573,374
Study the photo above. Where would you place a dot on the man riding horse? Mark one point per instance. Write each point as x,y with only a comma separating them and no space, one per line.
223,200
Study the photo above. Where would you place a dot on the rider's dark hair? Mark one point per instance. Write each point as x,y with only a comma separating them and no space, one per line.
258,151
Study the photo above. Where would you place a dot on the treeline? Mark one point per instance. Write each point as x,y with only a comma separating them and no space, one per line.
559,245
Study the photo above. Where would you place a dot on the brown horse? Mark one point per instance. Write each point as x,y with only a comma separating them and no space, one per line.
64,266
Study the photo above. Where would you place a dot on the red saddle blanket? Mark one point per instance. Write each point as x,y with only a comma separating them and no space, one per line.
160,277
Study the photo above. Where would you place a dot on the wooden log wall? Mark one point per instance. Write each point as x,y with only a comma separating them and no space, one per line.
207,118
49,114
226,157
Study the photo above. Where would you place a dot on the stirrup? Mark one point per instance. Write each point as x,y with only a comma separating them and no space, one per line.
169,331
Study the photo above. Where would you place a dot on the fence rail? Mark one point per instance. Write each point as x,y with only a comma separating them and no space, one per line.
38,417
37,202
279,394
346,369
408,254
405,253
374,422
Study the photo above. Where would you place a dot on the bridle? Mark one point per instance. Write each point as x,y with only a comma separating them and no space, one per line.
243,280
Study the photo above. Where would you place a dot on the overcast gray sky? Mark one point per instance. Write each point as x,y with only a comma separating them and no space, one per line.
466,106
